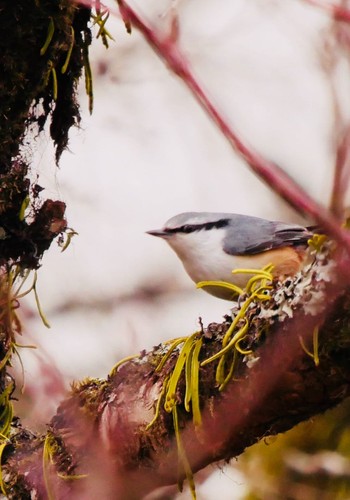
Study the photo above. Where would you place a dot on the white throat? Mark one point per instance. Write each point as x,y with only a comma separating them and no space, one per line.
202,254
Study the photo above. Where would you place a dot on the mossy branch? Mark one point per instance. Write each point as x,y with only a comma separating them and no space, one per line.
132,432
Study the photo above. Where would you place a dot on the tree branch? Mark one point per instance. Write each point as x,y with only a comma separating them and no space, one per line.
102,430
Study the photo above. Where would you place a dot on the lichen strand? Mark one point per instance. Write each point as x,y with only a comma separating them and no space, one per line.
34,80
22,242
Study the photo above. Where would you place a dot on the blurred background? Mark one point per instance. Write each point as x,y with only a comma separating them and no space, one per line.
276,70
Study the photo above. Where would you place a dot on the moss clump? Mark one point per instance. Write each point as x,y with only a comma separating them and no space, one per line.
37,38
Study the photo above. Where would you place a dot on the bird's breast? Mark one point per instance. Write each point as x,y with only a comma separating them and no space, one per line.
286,261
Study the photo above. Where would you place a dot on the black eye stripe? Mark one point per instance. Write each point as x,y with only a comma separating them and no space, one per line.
218,224
191,228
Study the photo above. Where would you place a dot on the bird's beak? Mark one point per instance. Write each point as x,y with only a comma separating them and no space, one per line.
158,232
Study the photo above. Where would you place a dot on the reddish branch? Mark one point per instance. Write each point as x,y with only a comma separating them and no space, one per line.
341,175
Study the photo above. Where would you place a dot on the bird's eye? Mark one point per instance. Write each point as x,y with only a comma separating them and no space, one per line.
187,228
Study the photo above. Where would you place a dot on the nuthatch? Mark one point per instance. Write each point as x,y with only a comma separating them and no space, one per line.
211,245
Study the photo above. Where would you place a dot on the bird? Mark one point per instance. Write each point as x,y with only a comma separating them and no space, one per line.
211,245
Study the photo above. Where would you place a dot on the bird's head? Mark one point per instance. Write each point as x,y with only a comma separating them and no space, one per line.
191,234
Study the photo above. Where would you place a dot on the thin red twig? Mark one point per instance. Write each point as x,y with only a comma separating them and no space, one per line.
341,175
338,12
272,174
341,34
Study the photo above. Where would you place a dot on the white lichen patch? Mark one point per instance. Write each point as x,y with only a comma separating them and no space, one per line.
250,360
151,395
306,290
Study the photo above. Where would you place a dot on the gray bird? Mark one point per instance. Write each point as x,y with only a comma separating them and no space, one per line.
211,245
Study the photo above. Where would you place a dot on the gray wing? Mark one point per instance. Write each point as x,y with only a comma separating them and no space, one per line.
250,235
